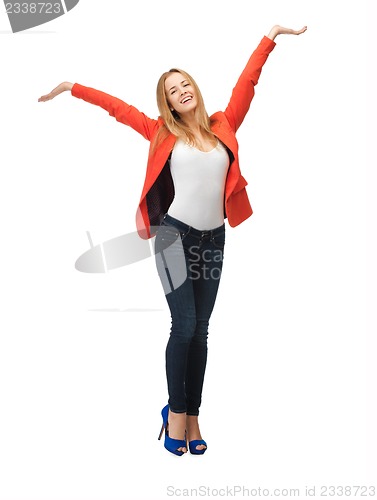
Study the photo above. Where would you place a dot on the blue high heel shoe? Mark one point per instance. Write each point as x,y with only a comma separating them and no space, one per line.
171,444
196,442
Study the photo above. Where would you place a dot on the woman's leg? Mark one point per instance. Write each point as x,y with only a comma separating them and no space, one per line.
182,307
171,258
205,271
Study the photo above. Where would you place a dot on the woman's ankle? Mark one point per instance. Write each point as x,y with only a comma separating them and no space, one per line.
177,424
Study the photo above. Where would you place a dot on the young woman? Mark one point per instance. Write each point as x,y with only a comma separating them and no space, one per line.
193,181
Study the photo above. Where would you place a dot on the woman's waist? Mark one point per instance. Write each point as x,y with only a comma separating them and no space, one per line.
185,227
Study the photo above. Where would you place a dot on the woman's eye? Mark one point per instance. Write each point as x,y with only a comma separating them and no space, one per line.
172,92
186,84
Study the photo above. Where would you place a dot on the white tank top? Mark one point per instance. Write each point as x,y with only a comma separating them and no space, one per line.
199,183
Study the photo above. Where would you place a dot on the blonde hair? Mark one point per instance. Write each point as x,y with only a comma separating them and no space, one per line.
172,120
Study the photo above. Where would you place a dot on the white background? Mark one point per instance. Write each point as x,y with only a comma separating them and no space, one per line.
289,395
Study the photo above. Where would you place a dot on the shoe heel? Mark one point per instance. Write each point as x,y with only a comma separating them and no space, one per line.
162,430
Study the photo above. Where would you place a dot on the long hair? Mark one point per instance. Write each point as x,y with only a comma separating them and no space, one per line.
172,121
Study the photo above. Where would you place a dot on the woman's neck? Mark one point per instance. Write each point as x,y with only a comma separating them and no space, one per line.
191,122
202,139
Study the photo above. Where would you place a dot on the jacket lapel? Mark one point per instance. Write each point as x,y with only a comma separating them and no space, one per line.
223,132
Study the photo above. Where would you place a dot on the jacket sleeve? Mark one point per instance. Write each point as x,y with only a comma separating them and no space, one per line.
121,111
243,92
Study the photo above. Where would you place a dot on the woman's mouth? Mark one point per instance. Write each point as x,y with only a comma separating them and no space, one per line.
186,99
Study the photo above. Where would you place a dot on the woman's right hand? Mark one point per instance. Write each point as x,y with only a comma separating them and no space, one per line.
62,87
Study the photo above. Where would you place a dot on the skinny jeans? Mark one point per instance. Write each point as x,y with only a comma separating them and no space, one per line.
189,263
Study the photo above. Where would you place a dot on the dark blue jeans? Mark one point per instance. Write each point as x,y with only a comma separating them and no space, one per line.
189,263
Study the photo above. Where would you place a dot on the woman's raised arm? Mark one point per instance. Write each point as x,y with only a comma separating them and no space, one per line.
243,92
120,110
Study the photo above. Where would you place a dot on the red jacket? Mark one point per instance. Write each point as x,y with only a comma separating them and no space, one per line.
158,190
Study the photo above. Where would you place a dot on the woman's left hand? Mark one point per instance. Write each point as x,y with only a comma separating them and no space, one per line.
280,30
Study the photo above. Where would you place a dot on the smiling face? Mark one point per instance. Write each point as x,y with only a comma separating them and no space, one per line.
180,93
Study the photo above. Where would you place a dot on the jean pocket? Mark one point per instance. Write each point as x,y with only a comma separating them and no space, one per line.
219,240
170,231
